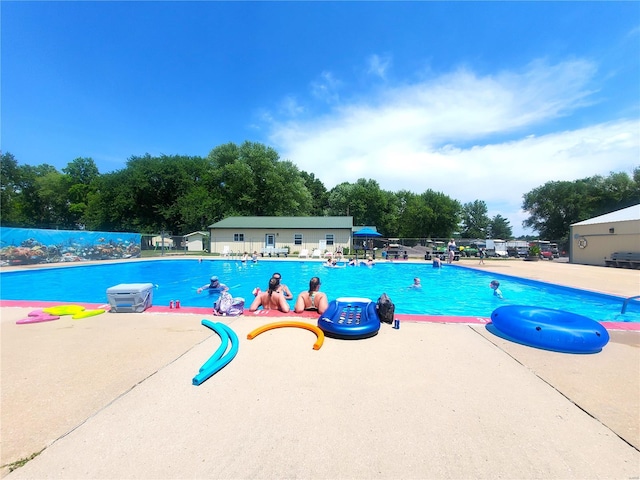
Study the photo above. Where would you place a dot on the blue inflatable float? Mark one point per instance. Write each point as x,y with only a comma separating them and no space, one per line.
548,329
350,318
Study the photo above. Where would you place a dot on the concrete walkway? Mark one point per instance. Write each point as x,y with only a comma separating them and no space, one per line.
111,397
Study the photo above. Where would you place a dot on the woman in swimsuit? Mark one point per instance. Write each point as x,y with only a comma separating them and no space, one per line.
312,300
271,299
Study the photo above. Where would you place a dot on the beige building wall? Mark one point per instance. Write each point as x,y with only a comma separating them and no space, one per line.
255,239
593,244
157,241
194,242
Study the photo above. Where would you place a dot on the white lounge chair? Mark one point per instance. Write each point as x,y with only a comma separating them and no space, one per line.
225,251
316,254
304,253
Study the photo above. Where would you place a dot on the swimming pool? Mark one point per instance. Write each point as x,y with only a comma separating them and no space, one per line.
451,290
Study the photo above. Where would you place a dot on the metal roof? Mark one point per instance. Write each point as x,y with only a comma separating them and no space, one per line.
624,215
284,222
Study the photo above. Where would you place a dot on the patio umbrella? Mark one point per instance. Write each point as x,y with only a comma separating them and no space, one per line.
366,233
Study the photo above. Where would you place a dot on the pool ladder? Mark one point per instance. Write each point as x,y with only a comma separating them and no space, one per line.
626,302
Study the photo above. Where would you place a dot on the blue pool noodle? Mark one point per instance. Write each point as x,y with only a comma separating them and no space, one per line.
217,360
224,343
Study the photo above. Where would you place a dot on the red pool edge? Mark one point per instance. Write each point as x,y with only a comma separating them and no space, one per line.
629,326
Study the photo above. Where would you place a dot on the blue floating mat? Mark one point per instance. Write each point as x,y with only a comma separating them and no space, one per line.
350,318
548,329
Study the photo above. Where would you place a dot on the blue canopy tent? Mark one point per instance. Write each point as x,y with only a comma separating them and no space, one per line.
365,233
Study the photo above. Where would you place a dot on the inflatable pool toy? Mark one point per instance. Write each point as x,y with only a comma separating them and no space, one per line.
63,310
548,329
88,313
351,318
37,316
270,326
218,360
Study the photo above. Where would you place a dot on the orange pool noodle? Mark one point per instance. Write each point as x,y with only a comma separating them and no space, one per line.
319,333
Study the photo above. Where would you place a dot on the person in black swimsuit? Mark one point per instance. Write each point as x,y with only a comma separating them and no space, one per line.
312,300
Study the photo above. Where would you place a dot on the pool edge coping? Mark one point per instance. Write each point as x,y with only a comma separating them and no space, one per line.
403,317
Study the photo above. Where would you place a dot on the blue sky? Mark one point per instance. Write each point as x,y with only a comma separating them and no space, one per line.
479,100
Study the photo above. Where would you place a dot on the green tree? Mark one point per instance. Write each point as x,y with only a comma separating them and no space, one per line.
500,227
319,194
475,221
80,174
365,202
554,206
257,182
428,215
618,190
34,205
9,191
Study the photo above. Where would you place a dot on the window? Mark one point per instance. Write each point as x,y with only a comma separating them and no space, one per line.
297,239
238,237
329,238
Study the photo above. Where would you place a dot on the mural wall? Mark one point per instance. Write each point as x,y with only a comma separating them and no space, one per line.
25,246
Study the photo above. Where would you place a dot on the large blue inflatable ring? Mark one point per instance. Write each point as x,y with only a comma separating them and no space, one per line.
548,329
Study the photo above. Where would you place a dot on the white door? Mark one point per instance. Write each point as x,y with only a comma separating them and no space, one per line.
270,240
322,245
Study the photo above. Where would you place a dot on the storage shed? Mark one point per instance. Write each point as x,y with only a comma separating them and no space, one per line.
195,241
594,241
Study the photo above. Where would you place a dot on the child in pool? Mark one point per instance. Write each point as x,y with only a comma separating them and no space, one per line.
495,286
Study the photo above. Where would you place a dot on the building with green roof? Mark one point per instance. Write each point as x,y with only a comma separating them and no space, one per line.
280,234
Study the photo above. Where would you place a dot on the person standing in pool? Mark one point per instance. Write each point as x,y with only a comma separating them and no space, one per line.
495,286
312,300
214,286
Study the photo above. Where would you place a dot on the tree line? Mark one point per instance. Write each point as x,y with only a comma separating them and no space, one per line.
181,194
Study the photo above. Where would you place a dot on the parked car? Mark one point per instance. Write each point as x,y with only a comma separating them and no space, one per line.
546,253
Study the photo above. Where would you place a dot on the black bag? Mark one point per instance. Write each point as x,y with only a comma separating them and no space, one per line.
385,309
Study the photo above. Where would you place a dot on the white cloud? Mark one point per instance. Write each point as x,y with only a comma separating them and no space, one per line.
326,88
378,65
290,107
469,136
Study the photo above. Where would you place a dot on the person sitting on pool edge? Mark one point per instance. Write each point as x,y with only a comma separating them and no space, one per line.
495,286
271,299
312,300
214,286
282,288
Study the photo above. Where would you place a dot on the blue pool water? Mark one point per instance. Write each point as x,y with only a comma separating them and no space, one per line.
451,290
